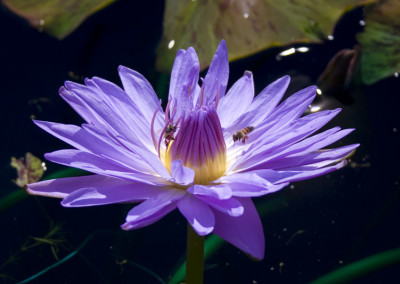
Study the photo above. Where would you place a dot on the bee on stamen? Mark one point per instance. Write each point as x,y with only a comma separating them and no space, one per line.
242,134
169,134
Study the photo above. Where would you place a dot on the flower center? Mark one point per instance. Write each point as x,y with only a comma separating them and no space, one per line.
200,145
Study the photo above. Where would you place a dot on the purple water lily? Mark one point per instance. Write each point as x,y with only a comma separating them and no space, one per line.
185,157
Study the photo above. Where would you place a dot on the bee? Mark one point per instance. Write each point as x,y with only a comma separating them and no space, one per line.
169,134
242,134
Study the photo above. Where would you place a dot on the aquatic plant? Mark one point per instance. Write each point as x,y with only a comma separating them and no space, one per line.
185,157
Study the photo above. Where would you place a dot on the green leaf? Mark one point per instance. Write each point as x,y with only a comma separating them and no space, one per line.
58,18
380,41
248,26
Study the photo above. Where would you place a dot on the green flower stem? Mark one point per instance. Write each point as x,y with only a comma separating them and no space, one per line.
213,242
194,257
11,199
360,268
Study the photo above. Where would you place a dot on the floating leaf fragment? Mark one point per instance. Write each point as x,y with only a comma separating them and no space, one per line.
248,26
29,169
58,18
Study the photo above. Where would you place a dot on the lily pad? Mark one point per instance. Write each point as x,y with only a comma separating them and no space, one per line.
248,26
380,41
56,17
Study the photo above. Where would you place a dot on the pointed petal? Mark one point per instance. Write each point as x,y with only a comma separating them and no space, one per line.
262,106
90,139
175,71
230,206
217,76
198,214
99,165
152,209
237,100
110,192
297,173
61,187
140,92
245,232
221,191
181,98
147,156
148,220
249,184
269,145
181,174
106,115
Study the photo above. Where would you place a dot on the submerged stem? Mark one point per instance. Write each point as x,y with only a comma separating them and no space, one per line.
194,257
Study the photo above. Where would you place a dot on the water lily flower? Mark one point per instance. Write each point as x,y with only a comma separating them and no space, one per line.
185,157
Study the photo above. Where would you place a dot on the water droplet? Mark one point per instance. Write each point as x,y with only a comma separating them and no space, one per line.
288,52
245,15
315,108
396,74
171,44
330,37
362,23
302,49
319,92
41,22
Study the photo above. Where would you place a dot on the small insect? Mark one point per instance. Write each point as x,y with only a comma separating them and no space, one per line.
169,134
242,134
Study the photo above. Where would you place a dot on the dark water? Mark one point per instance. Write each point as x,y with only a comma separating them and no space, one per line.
318,225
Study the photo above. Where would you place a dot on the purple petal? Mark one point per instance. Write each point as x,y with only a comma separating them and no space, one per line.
140,92
230,206
152,209
293,154
197,213
90,139
181,174
217,76
149,157
181,97
241,189
249,184
109,192
297,173
272,144
149,219
99,165
136,113
175,70
237,100
262,105
221,191
105,115
245,232
60,188
316,159
79,106
296,104
317,142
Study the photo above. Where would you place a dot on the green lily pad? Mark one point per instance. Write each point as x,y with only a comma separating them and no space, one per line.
248,26
380,41
56,17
